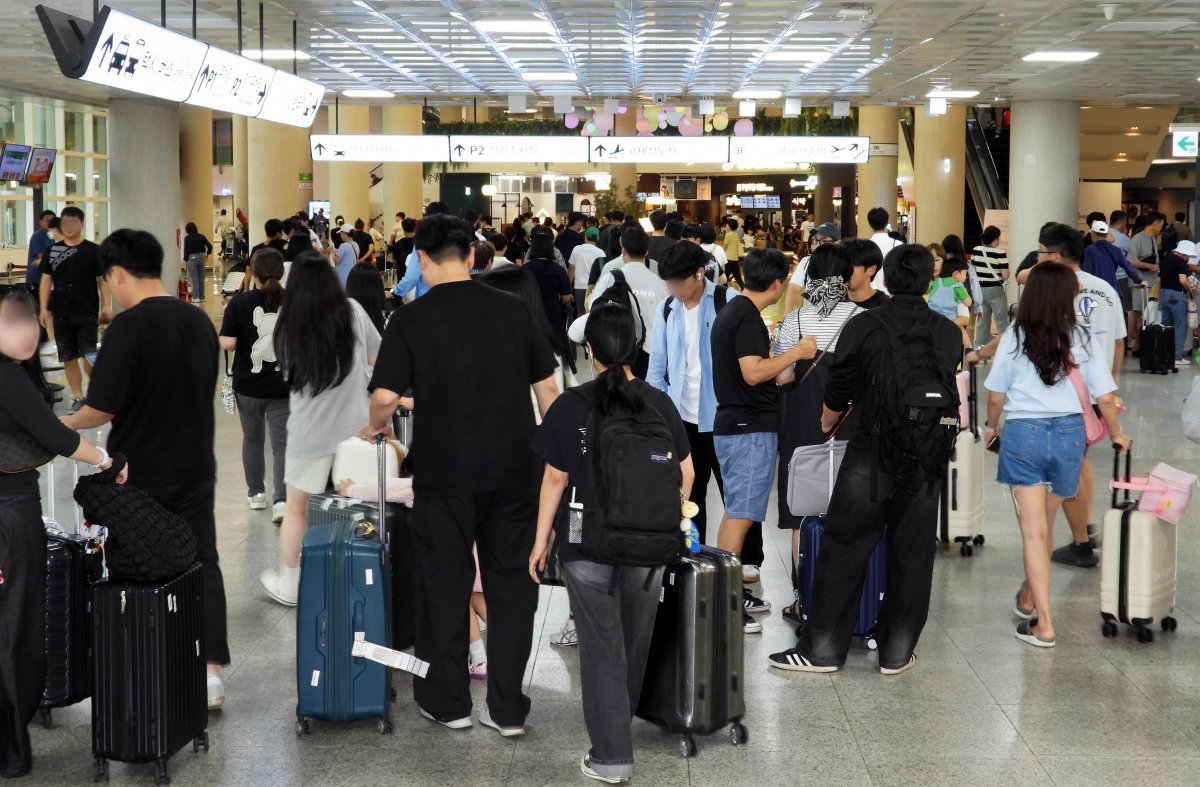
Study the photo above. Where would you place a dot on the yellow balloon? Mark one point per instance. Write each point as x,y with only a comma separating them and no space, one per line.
651,113
720,122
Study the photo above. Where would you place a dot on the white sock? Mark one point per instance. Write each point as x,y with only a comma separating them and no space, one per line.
290,574
478,652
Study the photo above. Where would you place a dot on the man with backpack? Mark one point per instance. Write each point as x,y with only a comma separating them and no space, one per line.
896,364
633,286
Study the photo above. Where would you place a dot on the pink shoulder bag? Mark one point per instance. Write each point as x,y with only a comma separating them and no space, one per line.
1166,492
1094,427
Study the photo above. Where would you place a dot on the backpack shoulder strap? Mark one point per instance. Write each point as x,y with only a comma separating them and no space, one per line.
667,307
619,276
720,297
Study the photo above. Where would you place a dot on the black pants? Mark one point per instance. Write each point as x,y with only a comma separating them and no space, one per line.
502,525
704,463
733,272
907,507
22,626
194,502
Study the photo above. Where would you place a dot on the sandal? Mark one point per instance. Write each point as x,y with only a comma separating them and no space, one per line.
792,612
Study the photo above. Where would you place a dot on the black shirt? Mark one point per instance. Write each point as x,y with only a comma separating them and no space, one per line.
552,280
659,244
194,243
861,346
874,302
365,242
738,332
471,388
22,409
156,374
74,270
561,441
1030,260
1168,272
255,370
274,243
401,251
566,242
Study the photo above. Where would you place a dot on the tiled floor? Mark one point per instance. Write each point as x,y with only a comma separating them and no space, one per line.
981,708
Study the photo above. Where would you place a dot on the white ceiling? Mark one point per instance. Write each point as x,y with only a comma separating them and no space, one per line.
685,48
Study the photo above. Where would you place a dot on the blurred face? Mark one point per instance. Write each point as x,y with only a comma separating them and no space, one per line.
70,226
19,333
937,264
686,289
861,277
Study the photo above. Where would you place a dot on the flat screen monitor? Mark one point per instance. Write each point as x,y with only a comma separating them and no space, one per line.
773,201
13,161
41,163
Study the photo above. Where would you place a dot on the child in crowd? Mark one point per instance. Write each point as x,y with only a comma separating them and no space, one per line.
948,293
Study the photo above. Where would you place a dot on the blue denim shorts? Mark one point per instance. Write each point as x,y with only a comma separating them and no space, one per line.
748,472
1043,451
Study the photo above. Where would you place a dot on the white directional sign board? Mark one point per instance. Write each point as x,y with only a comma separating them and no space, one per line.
379,147
1184,144
658,150
143,58
516,149
292,100
233,83
813,150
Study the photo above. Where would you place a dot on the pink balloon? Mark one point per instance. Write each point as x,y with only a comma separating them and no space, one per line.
744,128
662,123
571,120
643,125
689,128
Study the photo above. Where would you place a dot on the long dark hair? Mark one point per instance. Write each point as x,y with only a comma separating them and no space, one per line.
1045,322
314,336
612,336
297,245
521,283
267,267
20,297
541,244
365,285
954,247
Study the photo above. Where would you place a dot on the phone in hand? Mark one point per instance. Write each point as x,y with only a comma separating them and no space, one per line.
994,444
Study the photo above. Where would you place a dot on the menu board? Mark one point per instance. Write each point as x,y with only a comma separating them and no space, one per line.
41,162
14,160
765,202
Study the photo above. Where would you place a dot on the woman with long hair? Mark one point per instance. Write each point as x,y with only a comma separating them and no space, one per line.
31,435
325,345
1045,368
365,285
614,607
519,282
955,249
554,286
297,245
248,331
196,249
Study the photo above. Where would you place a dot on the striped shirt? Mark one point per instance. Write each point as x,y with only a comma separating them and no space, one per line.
807,321
989,262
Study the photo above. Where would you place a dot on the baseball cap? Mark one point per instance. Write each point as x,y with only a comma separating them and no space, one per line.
576,332
591,233
347,228
1099,227
829,230
1187,248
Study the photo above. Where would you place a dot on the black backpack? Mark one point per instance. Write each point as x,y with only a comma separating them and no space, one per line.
633,476
915,418
620,292
720,298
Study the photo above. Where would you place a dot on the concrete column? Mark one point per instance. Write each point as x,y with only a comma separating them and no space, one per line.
940,173
877,178
276,155
241,171
625,175
401,184
143,137
1043,170
350,183
196,168
839,210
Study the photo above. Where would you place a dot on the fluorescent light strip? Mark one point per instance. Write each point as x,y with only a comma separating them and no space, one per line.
797,56
276,54
366,93
943,93
753,94
1059,57
548,76
525,26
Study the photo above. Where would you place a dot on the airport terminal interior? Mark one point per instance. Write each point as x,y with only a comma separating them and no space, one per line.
792,118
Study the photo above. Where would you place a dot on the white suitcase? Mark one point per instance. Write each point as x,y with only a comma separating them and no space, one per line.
961,520
357,461
1137,568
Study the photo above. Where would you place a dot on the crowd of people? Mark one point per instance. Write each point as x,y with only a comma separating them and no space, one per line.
320,350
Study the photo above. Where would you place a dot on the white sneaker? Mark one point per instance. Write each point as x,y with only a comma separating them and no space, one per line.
454,724
216,692
566,637
485,718
257,502
277,512
585,766
280,587
750,574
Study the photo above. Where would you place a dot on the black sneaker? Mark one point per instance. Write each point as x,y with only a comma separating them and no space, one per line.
791,659
1079,555
754,604
750,625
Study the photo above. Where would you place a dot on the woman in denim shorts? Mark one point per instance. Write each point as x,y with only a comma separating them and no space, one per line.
1043,444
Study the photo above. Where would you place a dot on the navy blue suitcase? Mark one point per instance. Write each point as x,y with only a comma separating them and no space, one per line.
873,586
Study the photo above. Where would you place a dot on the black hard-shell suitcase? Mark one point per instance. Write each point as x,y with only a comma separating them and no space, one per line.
695,671
874,583
1156,349
149,674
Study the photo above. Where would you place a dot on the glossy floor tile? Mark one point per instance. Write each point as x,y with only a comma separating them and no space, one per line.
980,708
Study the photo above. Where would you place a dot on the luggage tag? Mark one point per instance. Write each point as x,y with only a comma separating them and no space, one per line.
390,658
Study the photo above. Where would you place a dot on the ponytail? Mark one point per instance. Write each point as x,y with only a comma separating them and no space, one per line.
611,333
267,268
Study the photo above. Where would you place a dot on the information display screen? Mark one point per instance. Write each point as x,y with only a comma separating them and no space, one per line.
41,164
14,160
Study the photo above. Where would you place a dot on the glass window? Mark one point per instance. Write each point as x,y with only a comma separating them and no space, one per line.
99,177
74,128
99,133
73,175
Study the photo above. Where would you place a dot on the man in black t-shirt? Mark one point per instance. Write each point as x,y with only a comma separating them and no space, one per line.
572,236
475,478
74,299
275,240
745,432
366,244
154,381
868,261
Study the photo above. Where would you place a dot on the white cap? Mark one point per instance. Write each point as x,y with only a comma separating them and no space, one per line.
1187,249
578,326
1099,227
347,228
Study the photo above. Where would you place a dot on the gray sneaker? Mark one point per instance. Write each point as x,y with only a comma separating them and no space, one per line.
1079,555
76,406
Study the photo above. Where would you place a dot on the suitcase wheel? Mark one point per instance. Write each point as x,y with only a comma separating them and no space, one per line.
160,773
44,715
966,550
979,540
1169,623
688,747
303,728
384,725
1109,628
1145,635
738,734
200,742
101,770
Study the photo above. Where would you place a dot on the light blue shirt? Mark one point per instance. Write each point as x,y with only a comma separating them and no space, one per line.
347,258
1121,241
412,281
668,354
1015,376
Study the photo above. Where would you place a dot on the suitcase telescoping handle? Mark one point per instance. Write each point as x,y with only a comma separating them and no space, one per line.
381,459
973,401
1117,472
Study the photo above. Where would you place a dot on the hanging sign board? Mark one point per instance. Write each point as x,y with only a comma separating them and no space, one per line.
379,147
770,151
1184,143
122,51
658,150
517,149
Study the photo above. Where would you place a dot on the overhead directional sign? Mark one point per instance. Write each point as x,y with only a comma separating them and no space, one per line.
122,51
659,150
813,150
517,149
1184,144
379,147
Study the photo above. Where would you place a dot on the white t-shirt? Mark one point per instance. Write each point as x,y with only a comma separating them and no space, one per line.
801,272
648,289
690,405
717,251
1098,308
885,244
582,257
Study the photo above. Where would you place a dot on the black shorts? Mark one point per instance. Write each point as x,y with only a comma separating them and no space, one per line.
75,336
